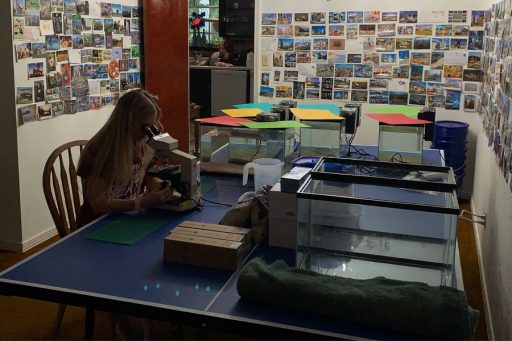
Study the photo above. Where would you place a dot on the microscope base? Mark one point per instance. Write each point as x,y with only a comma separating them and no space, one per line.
179,205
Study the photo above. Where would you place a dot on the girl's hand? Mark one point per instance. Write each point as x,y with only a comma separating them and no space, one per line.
155,197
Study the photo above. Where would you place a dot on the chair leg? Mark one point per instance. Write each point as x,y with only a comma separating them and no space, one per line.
146,327
89,323
58,319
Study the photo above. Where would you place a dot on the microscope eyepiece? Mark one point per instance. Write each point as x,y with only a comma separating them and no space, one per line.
152,131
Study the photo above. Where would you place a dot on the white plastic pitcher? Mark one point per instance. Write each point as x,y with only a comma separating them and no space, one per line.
267,171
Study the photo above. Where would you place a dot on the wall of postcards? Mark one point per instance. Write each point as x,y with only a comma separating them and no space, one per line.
382,57
496,94
77,55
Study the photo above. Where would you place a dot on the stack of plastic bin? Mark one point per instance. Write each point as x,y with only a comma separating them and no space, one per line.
450,136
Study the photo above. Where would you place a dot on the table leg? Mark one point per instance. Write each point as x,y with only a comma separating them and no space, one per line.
89,323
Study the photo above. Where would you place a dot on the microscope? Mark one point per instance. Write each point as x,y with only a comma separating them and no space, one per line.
182,176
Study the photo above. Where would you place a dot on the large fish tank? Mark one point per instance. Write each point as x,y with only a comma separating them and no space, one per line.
362,219
227,149
323,138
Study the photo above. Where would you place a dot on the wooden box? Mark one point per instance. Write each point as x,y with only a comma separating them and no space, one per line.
210,245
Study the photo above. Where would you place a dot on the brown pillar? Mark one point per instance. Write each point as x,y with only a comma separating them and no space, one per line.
166,63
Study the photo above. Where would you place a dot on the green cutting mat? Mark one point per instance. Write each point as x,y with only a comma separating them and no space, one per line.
126,229
396,109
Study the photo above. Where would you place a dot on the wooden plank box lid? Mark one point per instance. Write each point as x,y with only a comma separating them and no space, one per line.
247,233
215,227
204,251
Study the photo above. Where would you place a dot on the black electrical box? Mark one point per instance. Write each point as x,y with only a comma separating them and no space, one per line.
428,114
352,114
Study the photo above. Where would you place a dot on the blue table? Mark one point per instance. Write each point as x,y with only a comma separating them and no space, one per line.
135,280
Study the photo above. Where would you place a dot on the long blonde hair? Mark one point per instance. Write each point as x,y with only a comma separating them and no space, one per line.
113,145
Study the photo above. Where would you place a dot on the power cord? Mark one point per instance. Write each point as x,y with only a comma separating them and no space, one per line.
258,144
393,158
362,153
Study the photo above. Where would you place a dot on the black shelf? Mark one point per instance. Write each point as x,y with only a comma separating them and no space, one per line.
236,18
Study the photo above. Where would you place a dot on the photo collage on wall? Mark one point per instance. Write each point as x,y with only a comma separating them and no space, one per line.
80,55
383,57
496,91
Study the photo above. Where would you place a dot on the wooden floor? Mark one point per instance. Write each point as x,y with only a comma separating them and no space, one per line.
22,318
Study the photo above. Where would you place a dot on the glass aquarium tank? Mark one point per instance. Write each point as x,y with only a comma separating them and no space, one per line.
323,138
362,219
403,143
227,149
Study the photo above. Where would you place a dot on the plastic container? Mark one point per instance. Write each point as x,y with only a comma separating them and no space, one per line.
450,129
267,171
455,163
455,146
306,161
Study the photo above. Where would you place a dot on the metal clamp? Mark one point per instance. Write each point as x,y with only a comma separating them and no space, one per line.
482,220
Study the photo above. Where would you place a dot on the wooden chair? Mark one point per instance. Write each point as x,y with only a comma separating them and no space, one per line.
63,197
62,192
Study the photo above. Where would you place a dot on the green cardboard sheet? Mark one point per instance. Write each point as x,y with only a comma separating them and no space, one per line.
126,229
274,125
396,109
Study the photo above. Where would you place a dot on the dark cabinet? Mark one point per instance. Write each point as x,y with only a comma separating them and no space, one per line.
200,89
236,18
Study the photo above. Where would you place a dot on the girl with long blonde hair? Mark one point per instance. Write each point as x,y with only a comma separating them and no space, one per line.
115,160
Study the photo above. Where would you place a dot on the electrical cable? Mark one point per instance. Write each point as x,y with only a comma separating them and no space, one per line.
393,158
216,203
258,144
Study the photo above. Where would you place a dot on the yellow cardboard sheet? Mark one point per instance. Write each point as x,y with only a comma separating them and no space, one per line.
244,112
315,115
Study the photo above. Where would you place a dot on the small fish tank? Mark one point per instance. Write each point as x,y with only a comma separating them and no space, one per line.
403,143
362,219
225,149
323,138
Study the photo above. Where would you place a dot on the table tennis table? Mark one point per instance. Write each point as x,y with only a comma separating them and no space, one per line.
134,279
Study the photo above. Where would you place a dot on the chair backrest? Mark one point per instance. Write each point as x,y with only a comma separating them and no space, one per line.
63,196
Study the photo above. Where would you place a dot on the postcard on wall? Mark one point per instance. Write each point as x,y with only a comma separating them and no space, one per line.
127,42
94,86
354,44
44,111
31,34
268,44
27,113
431,16
397,85
307,70
456,57
18,27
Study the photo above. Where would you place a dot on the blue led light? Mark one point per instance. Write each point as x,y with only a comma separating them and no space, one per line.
177,292
145,287
158,286
208,288
197,286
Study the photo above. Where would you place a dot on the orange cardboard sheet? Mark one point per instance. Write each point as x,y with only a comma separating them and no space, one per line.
244,112
315,115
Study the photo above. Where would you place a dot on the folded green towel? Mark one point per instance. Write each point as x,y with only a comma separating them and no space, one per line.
411,307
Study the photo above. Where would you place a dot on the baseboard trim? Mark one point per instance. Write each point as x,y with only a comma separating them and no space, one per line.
38,239
487,312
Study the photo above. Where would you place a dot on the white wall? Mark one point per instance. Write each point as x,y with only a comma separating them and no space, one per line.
368,131
492,195
35,142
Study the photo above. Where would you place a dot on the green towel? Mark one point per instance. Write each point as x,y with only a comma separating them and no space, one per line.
410,307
